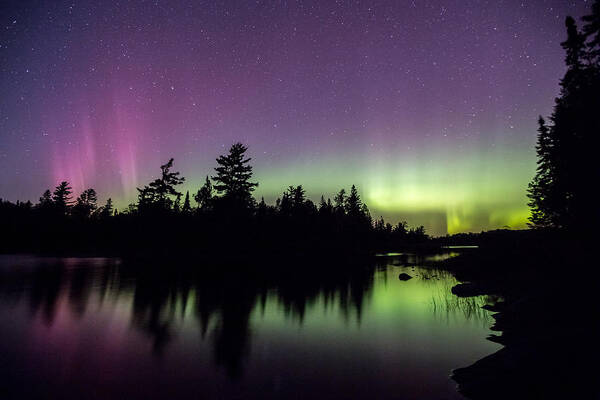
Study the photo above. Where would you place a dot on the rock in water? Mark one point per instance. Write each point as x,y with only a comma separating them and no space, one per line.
469,290
404,276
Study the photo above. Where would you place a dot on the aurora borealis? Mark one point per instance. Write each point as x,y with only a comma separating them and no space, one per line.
429,107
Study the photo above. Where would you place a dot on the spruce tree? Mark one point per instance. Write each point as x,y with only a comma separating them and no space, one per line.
46,200
61,198
233,177
562,192
107,209
353,204
86,203
340,201
186,209
158,192
204,195
591,30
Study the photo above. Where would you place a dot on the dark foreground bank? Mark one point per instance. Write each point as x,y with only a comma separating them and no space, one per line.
547,321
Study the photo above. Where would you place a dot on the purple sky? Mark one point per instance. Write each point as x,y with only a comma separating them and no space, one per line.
430,107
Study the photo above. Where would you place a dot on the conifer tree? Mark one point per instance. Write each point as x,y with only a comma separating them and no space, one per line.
233,177
591,30
86,203
353,204
340,200
204,195
107,209
158,192
186,209
61,198
45,201
562,192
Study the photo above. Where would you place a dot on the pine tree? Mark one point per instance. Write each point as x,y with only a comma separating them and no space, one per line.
562,192
322,203
574,45
177,204
543,189
232,181
401,229
46,200
262,208
61,198
353,204
340,201
107,209
591,30
186,209
86,203
293,200
366,214
159,191
204,195
298,196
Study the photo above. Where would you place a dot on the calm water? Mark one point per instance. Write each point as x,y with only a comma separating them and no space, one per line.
94,328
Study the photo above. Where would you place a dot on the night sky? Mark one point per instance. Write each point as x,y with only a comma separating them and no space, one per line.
429,107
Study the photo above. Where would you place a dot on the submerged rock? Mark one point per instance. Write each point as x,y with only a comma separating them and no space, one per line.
404,276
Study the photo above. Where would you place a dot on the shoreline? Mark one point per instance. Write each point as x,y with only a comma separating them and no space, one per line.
543,321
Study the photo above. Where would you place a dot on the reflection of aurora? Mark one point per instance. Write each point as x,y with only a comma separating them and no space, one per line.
229,319
161,305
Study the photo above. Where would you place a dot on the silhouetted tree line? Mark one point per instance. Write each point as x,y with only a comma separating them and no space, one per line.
225,218
563,192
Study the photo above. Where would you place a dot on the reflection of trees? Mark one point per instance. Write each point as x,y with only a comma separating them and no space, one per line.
221,303
45,289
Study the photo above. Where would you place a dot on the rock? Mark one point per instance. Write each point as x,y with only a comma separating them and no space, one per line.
469,290
404,276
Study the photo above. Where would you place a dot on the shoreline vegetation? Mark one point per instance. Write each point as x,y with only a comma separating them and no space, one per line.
225,219
542,320
547,276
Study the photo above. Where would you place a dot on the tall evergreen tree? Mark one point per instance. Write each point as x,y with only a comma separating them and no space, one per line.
262,209
366,214
293,200
322,203
353,204
562,192
86,203
177,203
591,30
204,195
233,177
574,46
161,189
107,209
61,198
186,209
543,189
46,200
340,201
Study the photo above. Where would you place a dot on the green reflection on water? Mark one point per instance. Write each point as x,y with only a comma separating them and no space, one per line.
360,325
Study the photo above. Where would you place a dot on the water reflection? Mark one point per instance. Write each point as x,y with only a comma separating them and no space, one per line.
161,297
179,309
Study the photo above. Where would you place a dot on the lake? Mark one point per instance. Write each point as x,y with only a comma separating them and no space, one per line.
97,328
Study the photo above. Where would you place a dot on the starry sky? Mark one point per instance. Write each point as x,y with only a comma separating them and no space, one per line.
429,107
